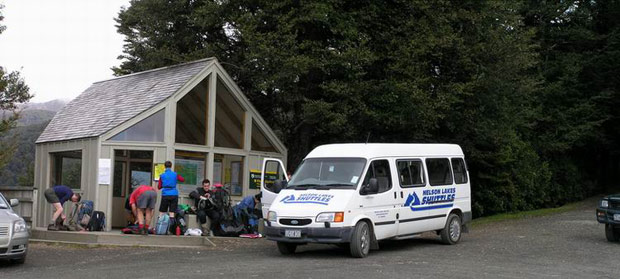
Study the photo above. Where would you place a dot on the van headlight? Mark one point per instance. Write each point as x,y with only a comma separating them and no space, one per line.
604,203
272,216
19,226
334,217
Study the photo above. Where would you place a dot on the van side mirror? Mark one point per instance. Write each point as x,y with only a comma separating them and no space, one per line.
278,185
371,188
14,202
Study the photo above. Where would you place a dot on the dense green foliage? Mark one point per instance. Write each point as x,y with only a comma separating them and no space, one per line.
13,91
527,88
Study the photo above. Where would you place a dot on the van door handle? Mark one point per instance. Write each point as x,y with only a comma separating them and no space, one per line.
394,194
401,194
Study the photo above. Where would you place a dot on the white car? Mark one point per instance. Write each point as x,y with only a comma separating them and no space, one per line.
14,234
355,195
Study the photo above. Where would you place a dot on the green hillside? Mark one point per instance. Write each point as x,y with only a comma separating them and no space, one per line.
23,159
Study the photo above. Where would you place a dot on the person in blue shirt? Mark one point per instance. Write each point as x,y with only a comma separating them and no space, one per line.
57,196
245,209
169,192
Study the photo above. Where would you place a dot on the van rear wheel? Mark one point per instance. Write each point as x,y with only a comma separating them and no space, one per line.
287,248
612,234
360,240
451,233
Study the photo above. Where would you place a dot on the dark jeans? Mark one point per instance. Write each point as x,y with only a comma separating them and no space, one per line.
212,214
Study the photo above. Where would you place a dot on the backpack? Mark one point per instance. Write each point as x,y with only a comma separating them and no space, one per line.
178,221
97,222
163,223
221,199
85,210
230,228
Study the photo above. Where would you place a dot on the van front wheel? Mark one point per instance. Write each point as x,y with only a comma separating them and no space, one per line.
360,240
451,233
286,248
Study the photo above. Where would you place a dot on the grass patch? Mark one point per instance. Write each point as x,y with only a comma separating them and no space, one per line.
524,214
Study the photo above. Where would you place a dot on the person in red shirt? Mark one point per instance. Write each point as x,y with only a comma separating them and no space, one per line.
142,202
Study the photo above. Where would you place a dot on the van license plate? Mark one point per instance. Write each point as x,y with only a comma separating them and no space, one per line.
292,233
616,217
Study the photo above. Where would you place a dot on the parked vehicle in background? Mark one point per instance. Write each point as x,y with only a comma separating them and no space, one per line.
355,195
14,234
608,213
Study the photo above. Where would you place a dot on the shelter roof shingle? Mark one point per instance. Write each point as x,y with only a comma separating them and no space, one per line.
109,103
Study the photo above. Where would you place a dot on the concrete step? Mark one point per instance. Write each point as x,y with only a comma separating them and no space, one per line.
118,239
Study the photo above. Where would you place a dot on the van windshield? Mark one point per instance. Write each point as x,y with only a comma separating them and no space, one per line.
328,173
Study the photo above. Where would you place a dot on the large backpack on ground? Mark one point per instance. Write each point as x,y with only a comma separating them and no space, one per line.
97,222
163,224
230,228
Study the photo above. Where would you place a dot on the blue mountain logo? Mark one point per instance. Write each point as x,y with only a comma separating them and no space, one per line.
288,199
412,200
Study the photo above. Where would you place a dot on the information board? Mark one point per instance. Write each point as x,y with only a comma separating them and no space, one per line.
270,178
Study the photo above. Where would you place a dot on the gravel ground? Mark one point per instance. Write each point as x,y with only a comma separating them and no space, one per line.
566,245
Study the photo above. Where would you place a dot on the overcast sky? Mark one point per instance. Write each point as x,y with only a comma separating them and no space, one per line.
60,46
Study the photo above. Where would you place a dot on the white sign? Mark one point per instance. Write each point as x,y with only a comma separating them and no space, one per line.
105,171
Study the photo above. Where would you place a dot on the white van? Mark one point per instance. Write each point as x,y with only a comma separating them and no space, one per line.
358,194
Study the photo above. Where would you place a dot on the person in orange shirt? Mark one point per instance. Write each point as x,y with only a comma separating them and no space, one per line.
142,202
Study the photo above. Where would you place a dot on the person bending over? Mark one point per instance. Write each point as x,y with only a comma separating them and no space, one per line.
57,196
143,201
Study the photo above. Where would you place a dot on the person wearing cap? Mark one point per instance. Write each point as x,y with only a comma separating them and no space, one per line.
245,208
142,201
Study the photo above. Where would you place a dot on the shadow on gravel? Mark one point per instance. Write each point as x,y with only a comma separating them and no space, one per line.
8,264
326,251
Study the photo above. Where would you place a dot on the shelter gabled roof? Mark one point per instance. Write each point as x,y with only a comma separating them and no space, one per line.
107,104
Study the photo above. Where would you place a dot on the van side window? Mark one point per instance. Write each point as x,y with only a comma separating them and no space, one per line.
460,173
439,171
410,173
379,169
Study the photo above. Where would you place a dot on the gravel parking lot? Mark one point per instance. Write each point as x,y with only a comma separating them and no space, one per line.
565,245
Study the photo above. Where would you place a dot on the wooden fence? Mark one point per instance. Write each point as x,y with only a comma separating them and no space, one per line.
26,196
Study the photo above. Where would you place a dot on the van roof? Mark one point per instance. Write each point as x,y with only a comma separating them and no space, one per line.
374,150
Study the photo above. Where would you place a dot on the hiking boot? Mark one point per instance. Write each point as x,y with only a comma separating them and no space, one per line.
52,227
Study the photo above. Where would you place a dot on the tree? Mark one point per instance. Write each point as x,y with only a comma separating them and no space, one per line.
13,91
495,77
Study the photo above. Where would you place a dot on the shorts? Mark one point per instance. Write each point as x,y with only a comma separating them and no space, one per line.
50,196
147,199
169,204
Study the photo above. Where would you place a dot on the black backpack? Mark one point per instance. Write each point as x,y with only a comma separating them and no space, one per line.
97,222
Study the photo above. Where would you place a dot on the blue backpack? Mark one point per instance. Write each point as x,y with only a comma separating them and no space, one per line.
86,208
163,223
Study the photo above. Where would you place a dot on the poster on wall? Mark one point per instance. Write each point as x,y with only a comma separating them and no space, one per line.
140,178
159,169
105,171
192,170
217,172
235,172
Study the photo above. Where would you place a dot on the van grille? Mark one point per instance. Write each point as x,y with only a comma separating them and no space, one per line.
4,231
295,222
613,204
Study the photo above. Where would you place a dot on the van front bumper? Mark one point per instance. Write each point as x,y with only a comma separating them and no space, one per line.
310,234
